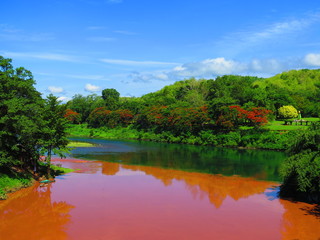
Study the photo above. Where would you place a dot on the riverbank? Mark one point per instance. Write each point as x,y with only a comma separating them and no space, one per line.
242,138
14,181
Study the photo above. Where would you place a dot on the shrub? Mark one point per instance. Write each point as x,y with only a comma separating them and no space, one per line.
286,112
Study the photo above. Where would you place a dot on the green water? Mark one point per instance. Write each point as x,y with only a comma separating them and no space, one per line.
263,165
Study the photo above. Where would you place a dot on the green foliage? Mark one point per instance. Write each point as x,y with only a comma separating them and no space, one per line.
84,105
301,170
28,124
286,112
174,114
101,117
176,119
21,107
300,88
111,98
54,136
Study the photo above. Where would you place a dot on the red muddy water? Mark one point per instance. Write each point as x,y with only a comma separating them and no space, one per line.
112,201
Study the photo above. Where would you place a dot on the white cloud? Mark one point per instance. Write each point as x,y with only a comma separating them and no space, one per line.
312,59
91,88
64,99
214,67
53,89
141,77
207,67
45,56
279,28
135,63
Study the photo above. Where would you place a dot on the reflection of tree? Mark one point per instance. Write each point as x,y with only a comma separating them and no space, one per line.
298,222
216,187
29,214
110,168
199,159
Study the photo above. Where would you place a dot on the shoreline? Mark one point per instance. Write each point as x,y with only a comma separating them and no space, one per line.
13,184
258,139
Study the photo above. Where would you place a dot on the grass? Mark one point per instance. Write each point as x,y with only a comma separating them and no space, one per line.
61,170
11,183
80,144
279,125
14,181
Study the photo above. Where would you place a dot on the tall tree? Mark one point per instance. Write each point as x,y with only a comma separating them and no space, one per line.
111,98
21,107
28,124
54,132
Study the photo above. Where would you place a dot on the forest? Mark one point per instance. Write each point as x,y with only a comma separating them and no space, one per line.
230,110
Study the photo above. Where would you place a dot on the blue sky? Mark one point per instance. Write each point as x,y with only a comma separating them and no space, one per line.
139,46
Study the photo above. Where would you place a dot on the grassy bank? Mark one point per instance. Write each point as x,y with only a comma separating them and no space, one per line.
14,181
243,138
278,125
74,144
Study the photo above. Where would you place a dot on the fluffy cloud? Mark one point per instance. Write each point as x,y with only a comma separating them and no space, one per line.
312,59
215,66
64,99
91,88
53,89
211,68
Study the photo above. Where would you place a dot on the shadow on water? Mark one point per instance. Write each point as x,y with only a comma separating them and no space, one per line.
259,164
314,210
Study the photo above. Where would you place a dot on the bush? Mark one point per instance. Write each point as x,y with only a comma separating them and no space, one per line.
286,112
301,170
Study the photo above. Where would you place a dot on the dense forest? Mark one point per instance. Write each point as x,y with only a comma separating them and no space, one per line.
210,98
227,111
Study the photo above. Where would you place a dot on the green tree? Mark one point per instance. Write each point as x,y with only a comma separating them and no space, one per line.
84,105
301,170
21,107
28,124
54,134
111,98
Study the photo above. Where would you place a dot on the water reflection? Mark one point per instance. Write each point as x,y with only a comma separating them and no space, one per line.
216,187
121,201
30,214
262,165
298,222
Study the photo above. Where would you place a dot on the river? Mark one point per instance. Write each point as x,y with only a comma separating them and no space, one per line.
143,190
